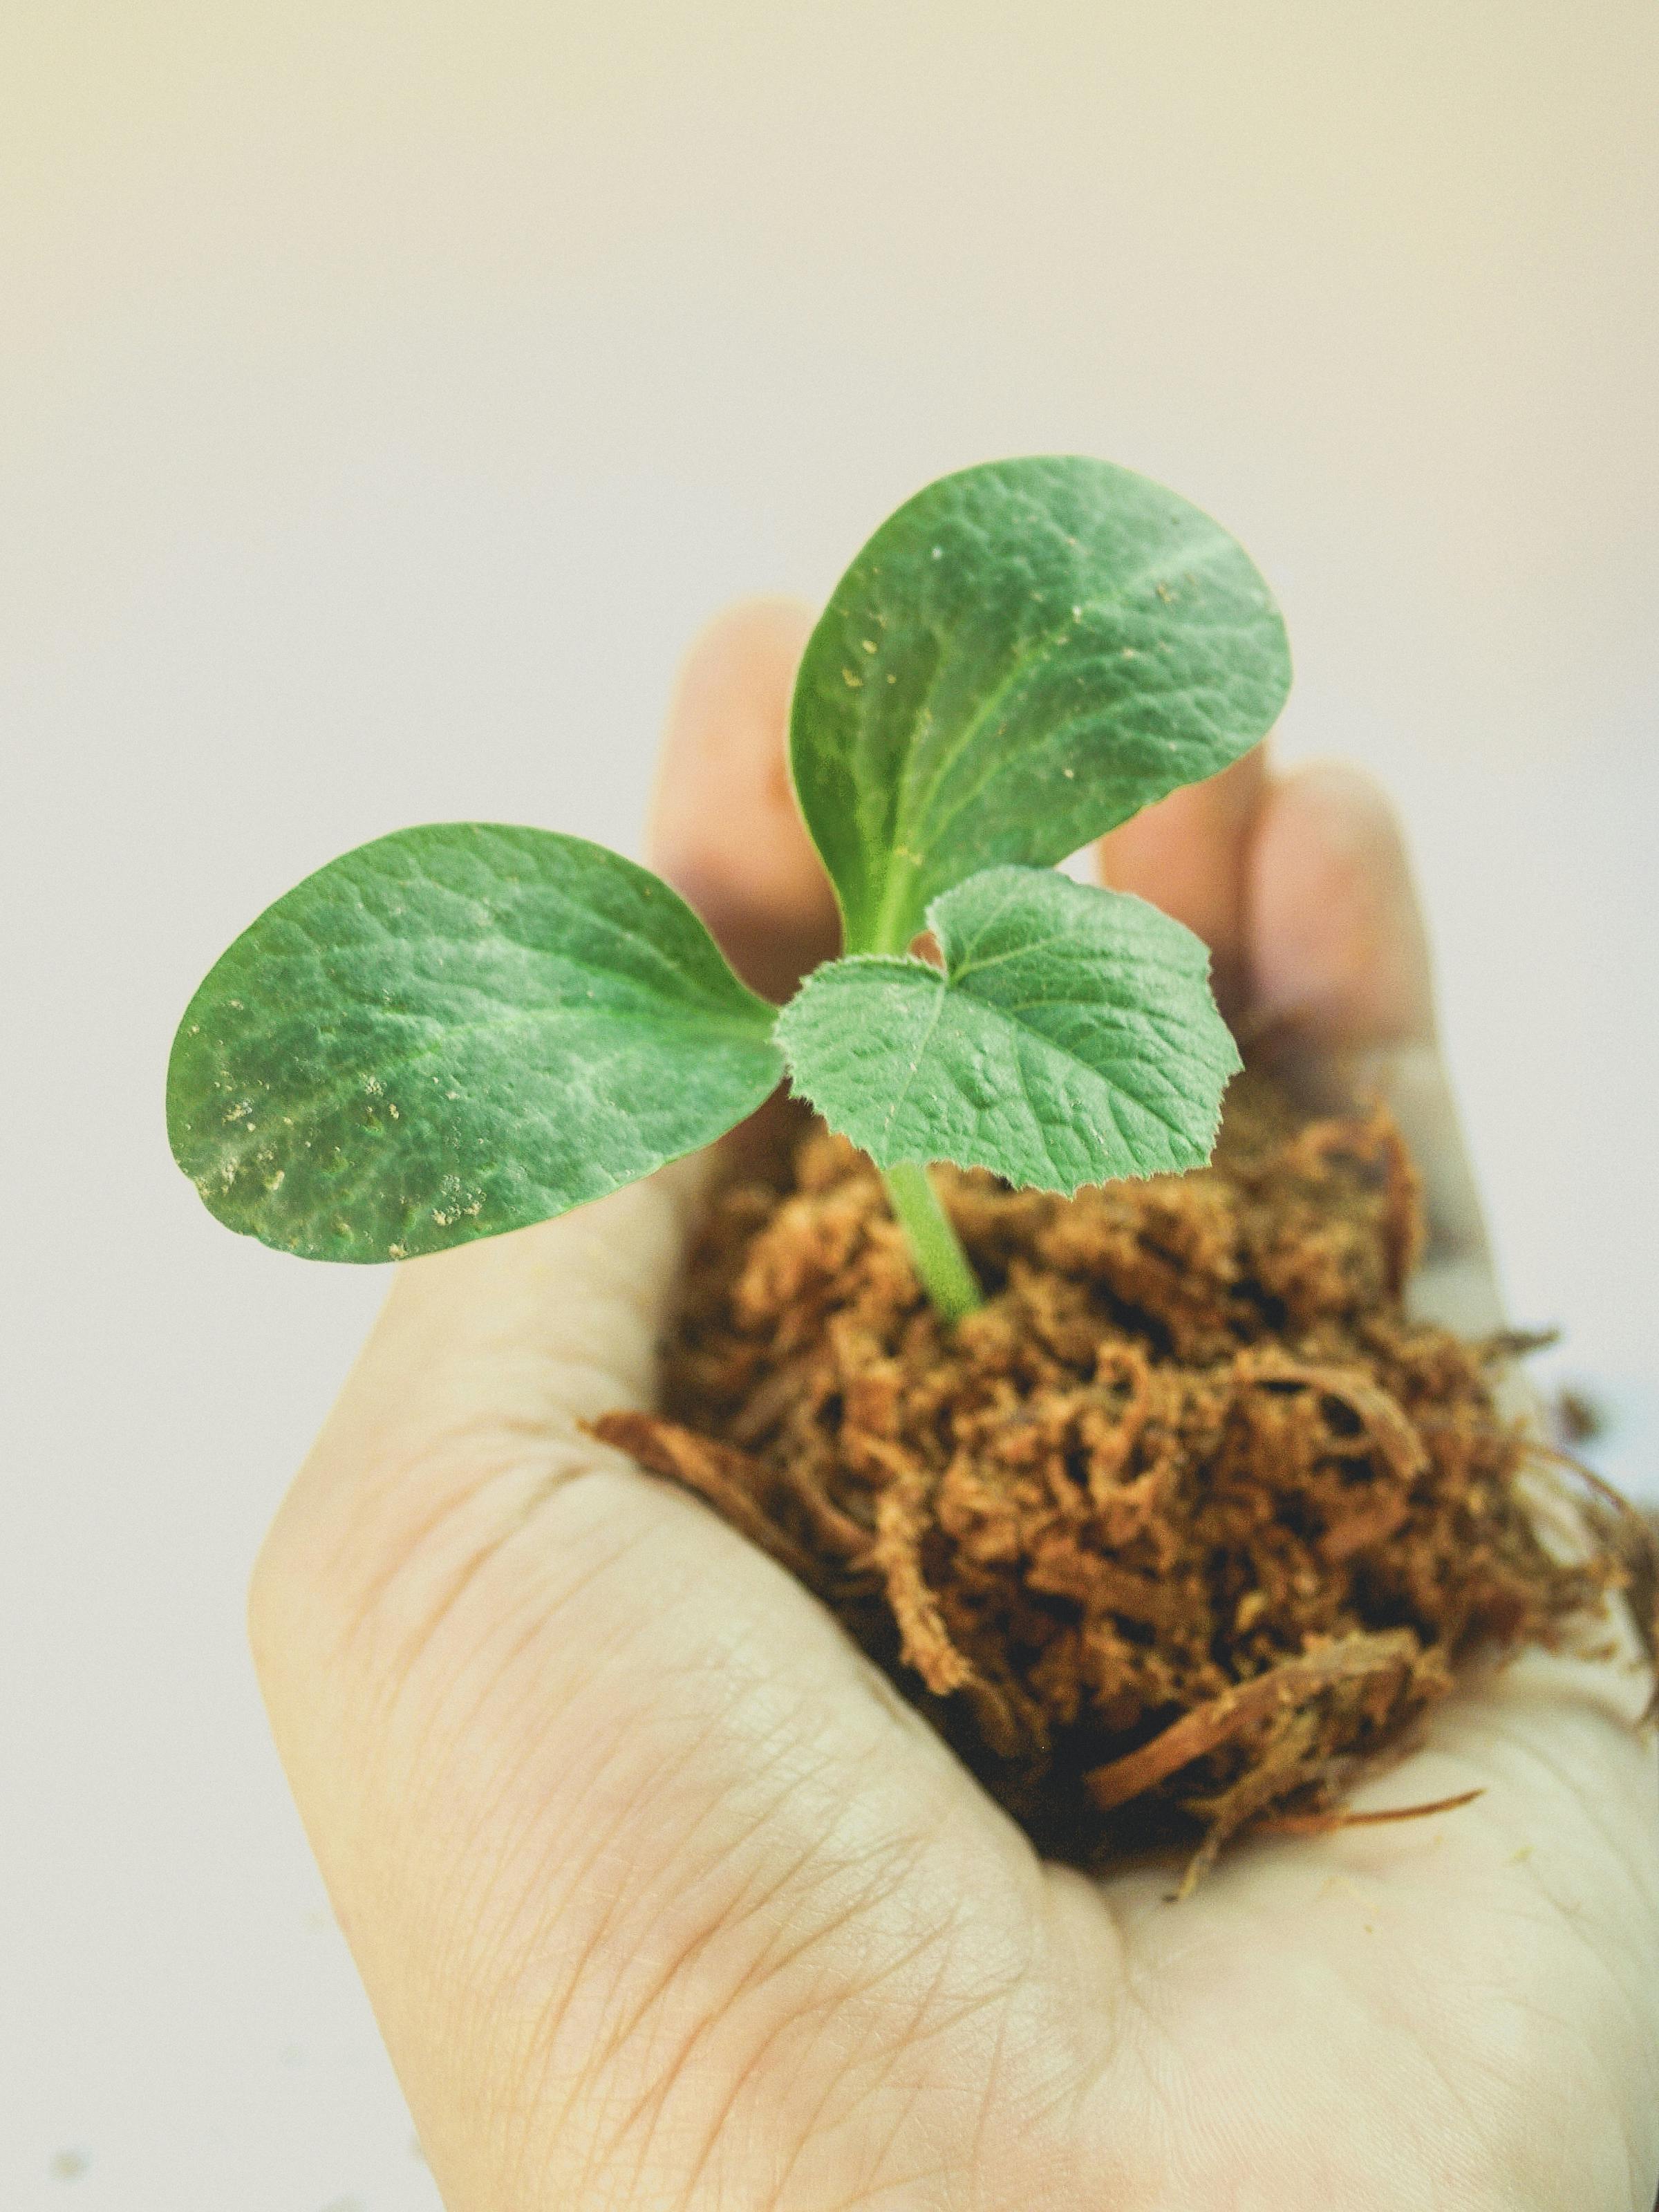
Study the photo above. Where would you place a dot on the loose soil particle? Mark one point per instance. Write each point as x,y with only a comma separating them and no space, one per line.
1189,1525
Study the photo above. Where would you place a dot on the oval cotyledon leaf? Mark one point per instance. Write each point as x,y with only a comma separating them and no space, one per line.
1022,656
1070,1037
452,1031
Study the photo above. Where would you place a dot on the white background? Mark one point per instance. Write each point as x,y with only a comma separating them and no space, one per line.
387,392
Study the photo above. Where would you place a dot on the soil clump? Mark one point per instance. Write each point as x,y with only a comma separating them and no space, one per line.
1190,1525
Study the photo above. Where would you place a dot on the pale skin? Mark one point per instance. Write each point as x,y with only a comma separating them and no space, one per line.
665,1901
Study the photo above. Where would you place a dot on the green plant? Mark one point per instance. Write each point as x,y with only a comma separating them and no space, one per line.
458,1029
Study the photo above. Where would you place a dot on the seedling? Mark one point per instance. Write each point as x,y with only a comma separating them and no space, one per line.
459,1029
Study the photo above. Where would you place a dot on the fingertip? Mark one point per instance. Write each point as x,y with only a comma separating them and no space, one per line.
1188,856
724,828
1334,936
735,677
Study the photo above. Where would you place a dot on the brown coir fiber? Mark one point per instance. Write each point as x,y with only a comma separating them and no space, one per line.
1185,1526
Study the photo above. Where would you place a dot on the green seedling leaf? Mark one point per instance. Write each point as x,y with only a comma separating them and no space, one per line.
454,1031
1023,656
1070,1038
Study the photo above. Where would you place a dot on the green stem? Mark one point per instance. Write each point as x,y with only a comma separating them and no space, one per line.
889,933
940,1261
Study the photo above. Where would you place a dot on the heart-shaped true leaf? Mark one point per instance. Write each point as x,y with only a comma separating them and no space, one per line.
1070,1038
452,1031
1024,655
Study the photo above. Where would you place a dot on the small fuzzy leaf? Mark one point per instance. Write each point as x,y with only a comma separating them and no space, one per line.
1070,1038
1021,657
454,1031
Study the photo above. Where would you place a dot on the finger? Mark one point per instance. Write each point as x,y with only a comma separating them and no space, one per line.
725,828
1336,967
1189,854
1335,940
1335,958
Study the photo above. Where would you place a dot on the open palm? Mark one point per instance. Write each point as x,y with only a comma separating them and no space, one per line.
666,1899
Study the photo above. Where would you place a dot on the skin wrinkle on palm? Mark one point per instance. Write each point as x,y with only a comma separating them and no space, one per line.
564,1804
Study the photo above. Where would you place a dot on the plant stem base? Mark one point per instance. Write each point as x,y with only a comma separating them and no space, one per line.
940,1261
1195,1522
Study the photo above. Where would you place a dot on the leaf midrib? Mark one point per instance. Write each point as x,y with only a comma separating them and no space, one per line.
332,1094
1120,1018
1113,602
998,765
567,902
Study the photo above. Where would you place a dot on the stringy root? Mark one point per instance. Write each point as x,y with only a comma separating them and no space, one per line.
1182,1529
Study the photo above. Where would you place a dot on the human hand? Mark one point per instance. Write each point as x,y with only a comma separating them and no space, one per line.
665,1900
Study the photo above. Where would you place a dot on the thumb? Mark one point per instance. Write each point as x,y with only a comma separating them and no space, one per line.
608,1806
463,1405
